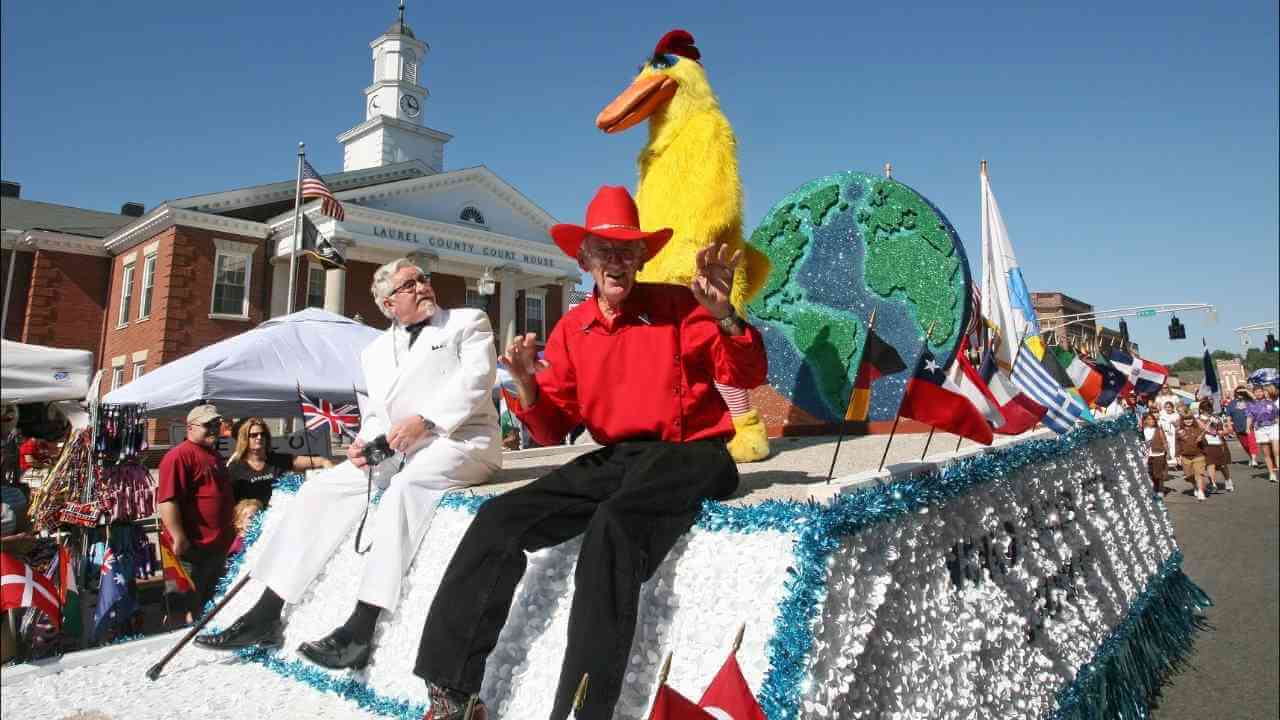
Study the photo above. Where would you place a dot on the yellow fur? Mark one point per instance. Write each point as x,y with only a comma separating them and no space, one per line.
689,182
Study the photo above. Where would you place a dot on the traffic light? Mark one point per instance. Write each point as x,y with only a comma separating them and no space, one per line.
1124,332
1272,345
1176,329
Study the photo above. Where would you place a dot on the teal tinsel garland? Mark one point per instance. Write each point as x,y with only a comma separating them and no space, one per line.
1131,664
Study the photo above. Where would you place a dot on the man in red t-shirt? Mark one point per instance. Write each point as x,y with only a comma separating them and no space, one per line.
636,364
196,504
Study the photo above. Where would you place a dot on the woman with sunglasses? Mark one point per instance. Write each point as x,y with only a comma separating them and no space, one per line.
254,468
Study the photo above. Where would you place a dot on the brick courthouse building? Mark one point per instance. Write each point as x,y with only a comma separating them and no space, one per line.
143,288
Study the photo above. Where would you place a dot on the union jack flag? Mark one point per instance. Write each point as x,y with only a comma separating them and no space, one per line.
313,186
340,419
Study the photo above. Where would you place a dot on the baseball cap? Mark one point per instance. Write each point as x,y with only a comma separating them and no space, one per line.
203,414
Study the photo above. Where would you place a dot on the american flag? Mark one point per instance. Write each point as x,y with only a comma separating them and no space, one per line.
313,187
340,419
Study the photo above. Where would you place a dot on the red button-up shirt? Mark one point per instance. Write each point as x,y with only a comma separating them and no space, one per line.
647,375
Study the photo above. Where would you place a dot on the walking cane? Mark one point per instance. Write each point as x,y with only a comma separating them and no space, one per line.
154,672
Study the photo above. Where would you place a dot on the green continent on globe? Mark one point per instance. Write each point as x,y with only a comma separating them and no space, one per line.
840,246
908,250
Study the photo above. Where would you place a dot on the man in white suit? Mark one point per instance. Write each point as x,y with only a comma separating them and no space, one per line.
429,378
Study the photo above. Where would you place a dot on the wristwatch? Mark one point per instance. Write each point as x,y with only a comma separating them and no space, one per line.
730,323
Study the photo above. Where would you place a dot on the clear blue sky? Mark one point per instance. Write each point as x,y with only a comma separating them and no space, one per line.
1133,146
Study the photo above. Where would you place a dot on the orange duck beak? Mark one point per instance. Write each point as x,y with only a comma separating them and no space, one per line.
636,103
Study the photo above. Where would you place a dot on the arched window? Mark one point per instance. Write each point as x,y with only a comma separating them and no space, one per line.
472,215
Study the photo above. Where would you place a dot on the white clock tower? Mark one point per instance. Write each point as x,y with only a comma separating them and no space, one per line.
395,103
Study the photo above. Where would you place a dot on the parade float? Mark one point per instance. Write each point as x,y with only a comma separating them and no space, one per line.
1036,579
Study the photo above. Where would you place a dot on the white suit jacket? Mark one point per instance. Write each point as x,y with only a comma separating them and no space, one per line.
446,377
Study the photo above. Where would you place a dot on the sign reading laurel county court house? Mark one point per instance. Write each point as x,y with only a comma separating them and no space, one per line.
462,246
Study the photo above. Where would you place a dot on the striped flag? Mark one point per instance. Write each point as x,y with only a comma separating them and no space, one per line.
1087,381
878,359
313,186
176,578
1061,409
1020,412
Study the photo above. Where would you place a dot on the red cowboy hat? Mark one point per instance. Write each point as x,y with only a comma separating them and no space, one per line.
611,215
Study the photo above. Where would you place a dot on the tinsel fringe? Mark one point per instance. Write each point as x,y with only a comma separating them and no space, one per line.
1153,641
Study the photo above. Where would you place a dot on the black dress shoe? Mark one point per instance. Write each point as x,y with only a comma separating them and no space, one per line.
244,633
337,651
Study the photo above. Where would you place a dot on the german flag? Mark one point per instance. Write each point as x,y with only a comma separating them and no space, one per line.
878,359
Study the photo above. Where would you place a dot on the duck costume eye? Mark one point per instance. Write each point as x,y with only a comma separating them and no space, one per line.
662,61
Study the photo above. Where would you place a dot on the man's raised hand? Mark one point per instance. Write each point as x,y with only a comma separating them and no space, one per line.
522,358
713,283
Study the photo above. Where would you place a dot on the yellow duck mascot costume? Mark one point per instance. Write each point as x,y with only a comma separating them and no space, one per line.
689,182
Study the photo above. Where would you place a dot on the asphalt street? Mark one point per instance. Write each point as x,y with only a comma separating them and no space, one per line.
1229,542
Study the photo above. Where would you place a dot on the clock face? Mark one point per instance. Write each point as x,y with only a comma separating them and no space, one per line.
374,109
410,105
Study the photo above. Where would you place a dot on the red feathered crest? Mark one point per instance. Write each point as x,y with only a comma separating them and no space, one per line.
678,42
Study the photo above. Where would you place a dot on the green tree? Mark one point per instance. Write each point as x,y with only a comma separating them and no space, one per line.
1256,359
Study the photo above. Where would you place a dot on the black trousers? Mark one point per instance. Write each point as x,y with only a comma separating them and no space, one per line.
633,501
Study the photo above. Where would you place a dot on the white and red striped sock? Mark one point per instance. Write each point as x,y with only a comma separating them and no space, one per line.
738,400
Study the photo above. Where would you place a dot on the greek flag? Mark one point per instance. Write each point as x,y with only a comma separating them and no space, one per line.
1061,410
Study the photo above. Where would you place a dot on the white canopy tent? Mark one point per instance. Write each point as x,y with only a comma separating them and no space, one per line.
35,373
258,372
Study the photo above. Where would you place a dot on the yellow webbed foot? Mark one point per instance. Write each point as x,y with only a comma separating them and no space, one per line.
750,442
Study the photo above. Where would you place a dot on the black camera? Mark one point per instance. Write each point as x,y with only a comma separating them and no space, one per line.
376,450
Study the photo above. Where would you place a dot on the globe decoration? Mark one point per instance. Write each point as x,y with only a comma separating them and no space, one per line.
843,246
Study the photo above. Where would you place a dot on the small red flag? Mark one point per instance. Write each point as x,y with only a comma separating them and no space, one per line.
730,695
671,705
21,587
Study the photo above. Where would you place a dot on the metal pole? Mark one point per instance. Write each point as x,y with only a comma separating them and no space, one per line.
892,431
297,221
927,441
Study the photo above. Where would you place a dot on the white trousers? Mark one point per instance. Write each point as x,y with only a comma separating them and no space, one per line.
330,504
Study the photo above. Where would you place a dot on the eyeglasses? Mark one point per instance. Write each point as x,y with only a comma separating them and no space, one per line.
257,434
625,254
211,426
410,284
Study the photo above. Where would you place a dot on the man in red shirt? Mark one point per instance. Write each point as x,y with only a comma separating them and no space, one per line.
196,504
637,365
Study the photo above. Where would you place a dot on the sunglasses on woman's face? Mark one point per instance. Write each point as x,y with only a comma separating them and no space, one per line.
257,434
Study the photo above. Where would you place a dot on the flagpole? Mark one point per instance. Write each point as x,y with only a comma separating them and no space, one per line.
297,219
898,416
927,441
871,324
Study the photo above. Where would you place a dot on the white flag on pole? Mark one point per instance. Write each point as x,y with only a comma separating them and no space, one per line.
1006,303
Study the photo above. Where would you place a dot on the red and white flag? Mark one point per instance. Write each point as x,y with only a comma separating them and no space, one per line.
955,400
21,587
671,705
728,697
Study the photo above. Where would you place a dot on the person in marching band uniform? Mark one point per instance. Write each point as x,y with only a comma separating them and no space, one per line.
429,378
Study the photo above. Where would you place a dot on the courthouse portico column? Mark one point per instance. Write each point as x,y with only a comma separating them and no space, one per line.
279,286
506,305
335,282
